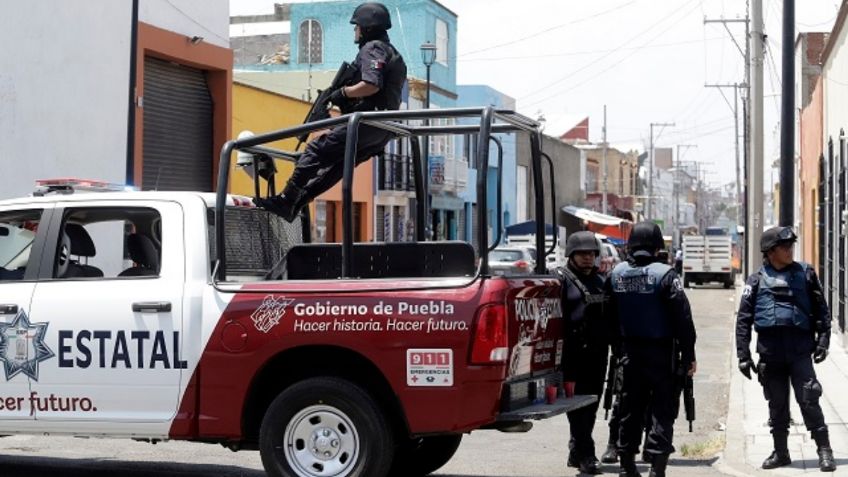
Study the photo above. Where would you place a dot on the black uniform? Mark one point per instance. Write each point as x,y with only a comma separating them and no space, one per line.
657,339
791,321
322,164
585,350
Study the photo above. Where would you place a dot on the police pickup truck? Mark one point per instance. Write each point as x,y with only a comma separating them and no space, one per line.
112,325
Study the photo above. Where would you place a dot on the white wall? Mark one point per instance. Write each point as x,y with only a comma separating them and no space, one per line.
207,18
64,76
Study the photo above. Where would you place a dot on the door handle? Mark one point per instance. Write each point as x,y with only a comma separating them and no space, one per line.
8,309
151,307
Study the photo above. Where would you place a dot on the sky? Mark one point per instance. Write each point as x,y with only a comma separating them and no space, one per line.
646,60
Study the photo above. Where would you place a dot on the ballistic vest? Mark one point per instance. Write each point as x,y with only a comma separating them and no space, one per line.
783,298
641,311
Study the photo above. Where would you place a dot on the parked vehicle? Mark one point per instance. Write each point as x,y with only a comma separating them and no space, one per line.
512,261
708,258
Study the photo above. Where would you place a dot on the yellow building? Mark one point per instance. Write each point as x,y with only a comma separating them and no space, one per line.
258,108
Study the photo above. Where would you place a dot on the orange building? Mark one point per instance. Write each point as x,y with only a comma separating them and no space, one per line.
259,108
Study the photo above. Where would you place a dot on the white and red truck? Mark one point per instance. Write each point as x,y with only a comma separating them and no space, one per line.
120,317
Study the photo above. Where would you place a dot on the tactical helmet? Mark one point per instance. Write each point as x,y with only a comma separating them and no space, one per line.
372,15
775,236
645,236
581,242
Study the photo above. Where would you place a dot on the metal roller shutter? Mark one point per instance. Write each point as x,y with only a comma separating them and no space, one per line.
177,128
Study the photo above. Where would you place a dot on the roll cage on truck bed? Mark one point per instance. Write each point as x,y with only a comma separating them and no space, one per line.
499,364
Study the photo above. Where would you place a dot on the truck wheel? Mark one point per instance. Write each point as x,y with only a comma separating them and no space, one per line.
425,455
325,426
728,284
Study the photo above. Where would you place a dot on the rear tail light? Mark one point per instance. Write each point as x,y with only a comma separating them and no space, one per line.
725,269
687,268
489,343
521,264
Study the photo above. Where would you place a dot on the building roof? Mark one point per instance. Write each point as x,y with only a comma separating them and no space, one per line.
837,28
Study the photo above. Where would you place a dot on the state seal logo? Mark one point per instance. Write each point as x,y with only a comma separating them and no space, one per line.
22,346
269,314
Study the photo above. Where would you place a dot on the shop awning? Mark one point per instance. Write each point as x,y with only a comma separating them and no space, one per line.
592,216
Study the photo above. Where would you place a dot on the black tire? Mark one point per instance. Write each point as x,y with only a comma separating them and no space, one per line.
424,455
339,418
728,284
686,282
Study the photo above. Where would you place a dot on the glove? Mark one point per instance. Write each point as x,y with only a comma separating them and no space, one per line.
746,366
338,98
820,354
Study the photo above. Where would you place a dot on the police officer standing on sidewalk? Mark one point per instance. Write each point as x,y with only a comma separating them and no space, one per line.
586,342
785,303
382,73
657,339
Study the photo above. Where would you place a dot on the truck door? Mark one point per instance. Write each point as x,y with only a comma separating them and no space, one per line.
113,301
22,347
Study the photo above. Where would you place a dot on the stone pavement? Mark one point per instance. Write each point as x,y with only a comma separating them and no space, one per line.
748,441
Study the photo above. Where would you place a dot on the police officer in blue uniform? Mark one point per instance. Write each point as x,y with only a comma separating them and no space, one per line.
586,342
656,341
382,75
785,303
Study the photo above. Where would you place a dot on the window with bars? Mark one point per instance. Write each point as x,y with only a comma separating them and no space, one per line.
311,40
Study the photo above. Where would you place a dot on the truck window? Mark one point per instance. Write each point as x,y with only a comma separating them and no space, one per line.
108,242
257,242
17,234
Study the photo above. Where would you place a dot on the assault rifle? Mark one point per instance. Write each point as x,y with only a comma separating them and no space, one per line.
689,399
321,107
613,386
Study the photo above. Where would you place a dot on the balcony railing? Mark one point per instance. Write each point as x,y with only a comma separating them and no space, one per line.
394,172
448,174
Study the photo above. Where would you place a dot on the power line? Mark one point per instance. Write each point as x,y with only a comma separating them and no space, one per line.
556,27
621,46
585,52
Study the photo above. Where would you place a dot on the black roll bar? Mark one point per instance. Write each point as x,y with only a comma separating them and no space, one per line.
482,175
420,198
538,189
554,210
498,237
511,122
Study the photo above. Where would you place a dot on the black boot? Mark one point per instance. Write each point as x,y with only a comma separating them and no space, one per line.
610,455
287,205
573,460
826,461
780,456
628,465
590,465
658,464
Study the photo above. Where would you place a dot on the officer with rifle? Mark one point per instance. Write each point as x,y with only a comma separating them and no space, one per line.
373,82
586,342
785,303
656,334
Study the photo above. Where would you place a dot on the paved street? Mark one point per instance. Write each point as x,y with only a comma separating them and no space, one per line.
539,453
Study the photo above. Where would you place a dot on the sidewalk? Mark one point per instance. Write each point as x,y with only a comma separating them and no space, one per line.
749,441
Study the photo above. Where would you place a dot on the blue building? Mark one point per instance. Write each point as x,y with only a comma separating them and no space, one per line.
482,95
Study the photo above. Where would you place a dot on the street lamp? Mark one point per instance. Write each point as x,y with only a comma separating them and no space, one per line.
428,57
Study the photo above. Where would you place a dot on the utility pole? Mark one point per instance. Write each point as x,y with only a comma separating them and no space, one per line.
787,121
675,234
604,162
736,87
754,225
651,169
742,189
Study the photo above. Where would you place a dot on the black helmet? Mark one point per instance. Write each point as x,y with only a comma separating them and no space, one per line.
645,236
372,15
581,242
775,236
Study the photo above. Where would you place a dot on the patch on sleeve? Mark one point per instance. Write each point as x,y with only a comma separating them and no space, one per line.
377,64
676,285
746,292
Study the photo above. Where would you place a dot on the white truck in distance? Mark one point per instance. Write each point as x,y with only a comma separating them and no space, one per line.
708,258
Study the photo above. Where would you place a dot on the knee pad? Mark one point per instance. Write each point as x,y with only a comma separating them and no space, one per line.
812,391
